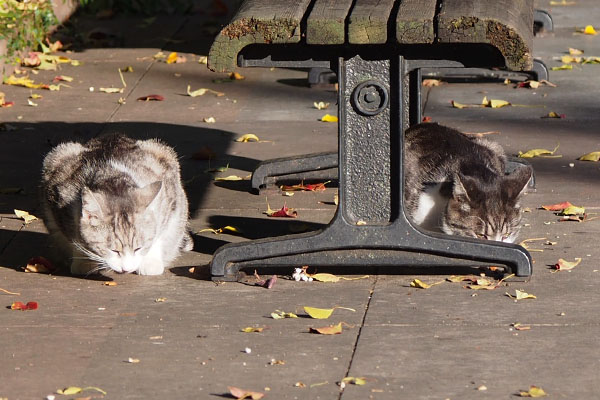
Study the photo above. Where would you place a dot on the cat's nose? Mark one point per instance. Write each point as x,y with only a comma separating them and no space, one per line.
130,263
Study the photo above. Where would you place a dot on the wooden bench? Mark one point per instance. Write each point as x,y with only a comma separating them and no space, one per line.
378,48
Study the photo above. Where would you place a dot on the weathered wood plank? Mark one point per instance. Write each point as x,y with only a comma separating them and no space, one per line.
505,24
414,21
257,21
368,21
326,22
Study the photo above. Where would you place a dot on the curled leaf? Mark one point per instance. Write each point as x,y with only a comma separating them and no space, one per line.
563,265
355,381
209,120
111,90
202,92
151,97
230,178
244,394
538,153
593,156
534,391
562,67
417,283
248,137
557,206
521,295
75,390
553,114
284,212
39,265
328,330
329,118
235,76
321,105
431,82
25,216
589,30
17,305
251,329
278,314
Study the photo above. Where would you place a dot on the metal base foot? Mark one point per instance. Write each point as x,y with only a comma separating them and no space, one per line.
542,21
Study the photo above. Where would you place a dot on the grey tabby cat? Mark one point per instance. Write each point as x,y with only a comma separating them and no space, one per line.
458,184
116,203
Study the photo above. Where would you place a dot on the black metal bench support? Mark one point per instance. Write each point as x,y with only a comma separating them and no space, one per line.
370,226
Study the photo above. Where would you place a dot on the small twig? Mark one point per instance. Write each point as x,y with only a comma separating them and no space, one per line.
8,292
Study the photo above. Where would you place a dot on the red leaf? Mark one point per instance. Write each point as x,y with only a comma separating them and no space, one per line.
311,187
426,119
285,212
558,206
17,305
151,97
31,305
40,264
7,104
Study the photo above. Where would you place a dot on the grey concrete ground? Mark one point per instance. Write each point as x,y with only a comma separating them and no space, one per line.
445,342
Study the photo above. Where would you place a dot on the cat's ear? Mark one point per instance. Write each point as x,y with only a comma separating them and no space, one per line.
465,187
92,205
146,194
517,181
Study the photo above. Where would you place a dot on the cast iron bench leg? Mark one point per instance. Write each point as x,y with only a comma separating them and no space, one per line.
370,217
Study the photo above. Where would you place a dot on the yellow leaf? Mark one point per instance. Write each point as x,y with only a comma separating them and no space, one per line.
561,3
209,120
236,76
554,114
35,96
456,104
251,329
573,210
498,103
319,313
538,153
202,91
25,216
248,137
278,314
133,360
172,58
417,283
568,59
575,52
230,178
328,330
203,59
562,67
355,381
22,81
329,118
111,90
589,30
459,278
534,391
321,105
74,390
563,265
520,295
325,277
593,156
160,300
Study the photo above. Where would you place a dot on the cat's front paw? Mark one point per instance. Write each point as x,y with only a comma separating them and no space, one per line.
152,267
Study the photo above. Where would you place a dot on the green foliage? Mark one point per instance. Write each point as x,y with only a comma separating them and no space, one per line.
24,24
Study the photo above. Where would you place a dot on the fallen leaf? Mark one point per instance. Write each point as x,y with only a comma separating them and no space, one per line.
355,381
160,300
39,265
248,137
75,390
329,118
133,360
35,96
128,68
520,295
319,313
284,212
112,90
151,97
251,329
328,330
426,119
217,169
461,278
589,30
431,82
520,327
573,210
300,385
562,67
538,153
563,265
245,394
209,120
25,82
311,187
529,84
172,58
218,231
31,103
62,78
202,92
494,103
417,283
561,3
229,178
593,156
203,59
278,314
534,391
553,114
25,216
321,105
557,206
568,59
456,104
575,52
276,362
109,283
17,305
324,277
235,76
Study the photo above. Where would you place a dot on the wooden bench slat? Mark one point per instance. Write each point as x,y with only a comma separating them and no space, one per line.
257,21
326,22
368,21
505,24
412,29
